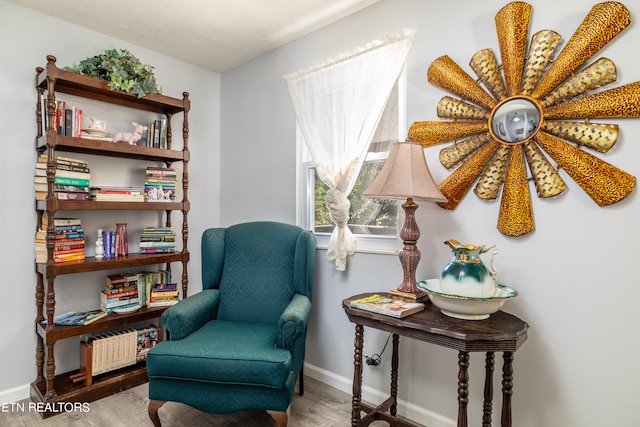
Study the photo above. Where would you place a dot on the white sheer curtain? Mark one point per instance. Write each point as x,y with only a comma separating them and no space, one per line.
338,105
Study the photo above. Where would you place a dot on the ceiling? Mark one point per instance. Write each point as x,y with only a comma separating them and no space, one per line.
214,34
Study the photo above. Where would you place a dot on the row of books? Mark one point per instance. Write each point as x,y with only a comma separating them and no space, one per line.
157,240
113,350
67,119
117,194
71,181
160,184
134,290
156,134
69,241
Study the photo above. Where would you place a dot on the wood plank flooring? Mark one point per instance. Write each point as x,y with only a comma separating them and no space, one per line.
321,406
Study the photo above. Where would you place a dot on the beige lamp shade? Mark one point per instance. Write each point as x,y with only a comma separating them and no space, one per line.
405,175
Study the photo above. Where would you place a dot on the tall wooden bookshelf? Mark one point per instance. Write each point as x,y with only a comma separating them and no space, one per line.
49,386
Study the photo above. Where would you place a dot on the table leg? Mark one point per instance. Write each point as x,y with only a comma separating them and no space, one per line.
488,389
463,387
357,376
394,375
507,388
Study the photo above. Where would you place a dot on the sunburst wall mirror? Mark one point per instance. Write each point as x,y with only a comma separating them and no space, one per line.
534,107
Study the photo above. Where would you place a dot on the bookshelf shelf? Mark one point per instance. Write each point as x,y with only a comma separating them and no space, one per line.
49,386
107,148
103,386
113,320
99,264
54,204
92,88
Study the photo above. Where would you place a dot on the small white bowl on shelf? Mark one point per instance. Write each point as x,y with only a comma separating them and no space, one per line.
128,309
467,308
96,132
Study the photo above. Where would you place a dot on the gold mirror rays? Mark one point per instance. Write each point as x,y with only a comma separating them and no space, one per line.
600,73
597,136
488,186
623,101
433,132
455,153
454,109
546,178
446,74
603,182
512,26
543,44
605,21
486,67
455,186
516,213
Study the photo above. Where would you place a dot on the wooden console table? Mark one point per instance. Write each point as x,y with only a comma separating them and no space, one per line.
501,332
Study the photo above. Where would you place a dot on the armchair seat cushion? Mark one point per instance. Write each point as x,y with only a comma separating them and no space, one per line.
224,352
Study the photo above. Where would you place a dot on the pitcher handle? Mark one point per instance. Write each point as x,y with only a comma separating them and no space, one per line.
494,270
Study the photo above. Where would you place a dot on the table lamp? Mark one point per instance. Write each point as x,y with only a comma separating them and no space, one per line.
405,175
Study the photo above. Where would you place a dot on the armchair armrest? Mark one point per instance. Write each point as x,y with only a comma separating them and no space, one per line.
293,322
191,313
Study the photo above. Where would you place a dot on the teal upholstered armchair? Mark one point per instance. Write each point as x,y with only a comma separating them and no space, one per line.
240,343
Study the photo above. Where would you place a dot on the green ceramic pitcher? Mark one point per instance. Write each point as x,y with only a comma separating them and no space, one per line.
466,275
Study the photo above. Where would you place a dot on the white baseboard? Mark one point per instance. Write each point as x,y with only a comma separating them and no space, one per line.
15,394
406,409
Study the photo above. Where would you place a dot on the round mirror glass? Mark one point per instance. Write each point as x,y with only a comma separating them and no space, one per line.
515,120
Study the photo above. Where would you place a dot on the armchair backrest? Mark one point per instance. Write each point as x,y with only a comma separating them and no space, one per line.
258,268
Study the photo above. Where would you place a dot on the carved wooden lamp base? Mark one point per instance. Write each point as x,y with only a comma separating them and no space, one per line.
409,256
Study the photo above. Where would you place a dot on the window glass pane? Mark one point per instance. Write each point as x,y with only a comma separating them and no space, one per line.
366,215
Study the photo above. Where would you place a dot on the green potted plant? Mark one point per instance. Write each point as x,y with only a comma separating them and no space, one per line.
121,69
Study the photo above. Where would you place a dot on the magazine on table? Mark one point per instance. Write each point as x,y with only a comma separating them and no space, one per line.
387,305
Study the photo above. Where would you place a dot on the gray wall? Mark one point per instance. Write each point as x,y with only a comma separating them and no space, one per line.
578,367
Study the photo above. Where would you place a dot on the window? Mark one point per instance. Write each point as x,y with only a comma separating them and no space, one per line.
374,222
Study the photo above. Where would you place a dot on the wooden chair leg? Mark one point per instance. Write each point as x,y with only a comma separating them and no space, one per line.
282,418
154,405
301,381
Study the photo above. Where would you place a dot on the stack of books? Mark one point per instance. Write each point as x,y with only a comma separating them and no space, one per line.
41,245
71,180
120,292
162,295
69,240
160,184
117,194
156,289
157,240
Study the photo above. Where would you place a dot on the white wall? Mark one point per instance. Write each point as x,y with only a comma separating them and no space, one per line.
26,38
575,272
